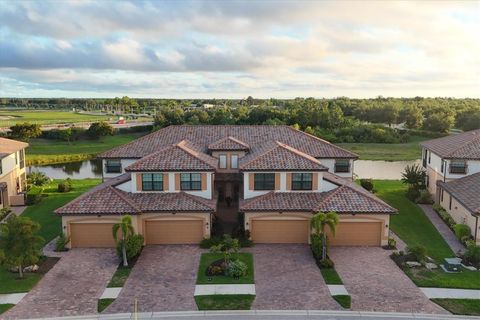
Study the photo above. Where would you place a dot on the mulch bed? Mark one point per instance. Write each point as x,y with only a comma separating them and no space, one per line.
46,264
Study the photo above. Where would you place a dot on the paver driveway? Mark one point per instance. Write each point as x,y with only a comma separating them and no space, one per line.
376,283
286,277
71,288
163,279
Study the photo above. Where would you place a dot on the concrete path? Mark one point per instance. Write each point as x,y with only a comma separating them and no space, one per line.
433,293
12,298
71,288
18,210
111,293
209,289
337,289
375,283
442,228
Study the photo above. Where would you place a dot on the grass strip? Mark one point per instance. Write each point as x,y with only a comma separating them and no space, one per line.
225,302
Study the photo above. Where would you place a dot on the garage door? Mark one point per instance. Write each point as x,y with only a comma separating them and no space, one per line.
280,231
91,235
357,234
174,232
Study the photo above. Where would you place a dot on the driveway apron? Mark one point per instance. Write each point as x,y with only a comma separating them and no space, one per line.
71,288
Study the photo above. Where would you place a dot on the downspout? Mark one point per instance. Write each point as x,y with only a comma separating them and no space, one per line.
476,228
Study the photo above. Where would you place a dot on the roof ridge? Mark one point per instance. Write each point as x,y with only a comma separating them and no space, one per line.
298,152
182,145
328,197
129,201
271,149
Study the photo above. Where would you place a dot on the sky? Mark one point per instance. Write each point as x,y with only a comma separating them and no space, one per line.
235,49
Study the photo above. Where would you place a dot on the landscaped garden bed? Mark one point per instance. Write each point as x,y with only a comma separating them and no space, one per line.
209,262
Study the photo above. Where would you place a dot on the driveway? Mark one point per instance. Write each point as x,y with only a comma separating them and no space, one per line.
286,277
71,288
163,279
376,283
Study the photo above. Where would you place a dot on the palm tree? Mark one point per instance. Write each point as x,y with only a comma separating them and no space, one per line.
319,223
414,175
126,227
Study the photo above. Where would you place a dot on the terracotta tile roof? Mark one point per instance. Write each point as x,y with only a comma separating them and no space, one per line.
228,143
283,201
105,199
279,156
466,190
254,136
8,146
464,145
183,156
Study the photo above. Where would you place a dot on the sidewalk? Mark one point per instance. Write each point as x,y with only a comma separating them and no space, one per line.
444,293
442,228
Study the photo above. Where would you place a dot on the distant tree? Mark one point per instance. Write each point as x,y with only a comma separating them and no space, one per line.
99,129
25,131
468,119
19,242
439,120
412,115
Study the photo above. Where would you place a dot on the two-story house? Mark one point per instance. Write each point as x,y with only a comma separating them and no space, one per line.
13,176
452,165
181,182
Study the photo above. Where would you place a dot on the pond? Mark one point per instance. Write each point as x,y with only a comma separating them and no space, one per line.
389,170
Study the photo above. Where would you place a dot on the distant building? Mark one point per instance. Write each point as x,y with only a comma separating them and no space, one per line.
13,177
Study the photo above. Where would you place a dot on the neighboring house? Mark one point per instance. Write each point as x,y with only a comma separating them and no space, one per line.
461,198
449,158
13,176
181,182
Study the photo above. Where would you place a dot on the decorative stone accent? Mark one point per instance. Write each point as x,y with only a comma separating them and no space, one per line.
413,264
430,265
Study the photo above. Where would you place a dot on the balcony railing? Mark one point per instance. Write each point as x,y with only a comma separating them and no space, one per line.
113,168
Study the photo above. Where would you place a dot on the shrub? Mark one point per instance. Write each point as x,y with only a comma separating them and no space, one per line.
65,186
392,243
412,194
37,179
207,243
227,247
237,269
325,264
444,215
99,129
34,195
419,252
60,244
367,184
425,197
133,246
472,254
316,246
462,231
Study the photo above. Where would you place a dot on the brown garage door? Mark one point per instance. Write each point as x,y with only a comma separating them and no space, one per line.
357,234
280,231
91,235
174,231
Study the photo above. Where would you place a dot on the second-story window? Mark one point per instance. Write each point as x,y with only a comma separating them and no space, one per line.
301,181
1,168
264,181
21,154
222,161
458,167
342,165
113,166
190,181
152,182
234,161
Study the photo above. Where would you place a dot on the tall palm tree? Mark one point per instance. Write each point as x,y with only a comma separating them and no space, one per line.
126,228
319,223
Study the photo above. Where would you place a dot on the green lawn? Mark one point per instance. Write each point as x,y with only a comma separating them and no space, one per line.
103,304
11,117
119,277
43,151
413,227
207,258
344,300
5,307
387,151
9,282
42,212
225,302
331,276
469,307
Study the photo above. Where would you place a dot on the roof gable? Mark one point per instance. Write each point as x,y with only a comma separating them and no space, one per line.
229,143
466,190
9,146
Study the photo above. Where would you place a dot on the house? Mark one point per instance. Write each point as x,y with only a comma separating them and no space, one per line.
183,183
13,178
449,158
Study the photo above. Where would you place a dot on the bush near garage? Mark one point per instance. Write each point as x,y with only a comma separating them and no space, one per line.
133,246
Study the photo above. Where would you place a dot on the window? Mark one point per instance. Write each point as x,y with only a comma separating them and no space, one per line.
152,182
301,181
458,166
425,152
264,181
113,166
1,168
427,182
342,165
441,195
450,203
22,158
234,161
429,157
190,181
442,166
223,161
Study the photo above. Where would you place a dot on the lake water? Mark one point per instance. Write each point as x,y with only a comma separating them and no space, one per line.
390,170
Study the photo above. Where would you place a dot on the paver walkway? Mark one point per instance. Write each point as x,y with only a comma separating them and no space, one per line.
442,228
287,278
376,283
163,279
71,288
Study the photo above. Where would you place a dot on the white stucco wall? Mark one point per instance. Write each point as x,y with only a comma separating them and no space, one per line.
330,164
125,163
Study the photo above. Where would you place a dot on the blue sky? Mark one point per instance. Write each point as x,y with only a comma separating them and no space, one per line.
233,49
